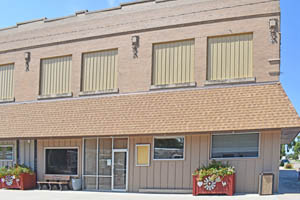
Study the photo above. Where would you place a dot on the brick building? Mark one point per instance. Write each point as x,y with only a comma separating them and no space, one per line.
135,98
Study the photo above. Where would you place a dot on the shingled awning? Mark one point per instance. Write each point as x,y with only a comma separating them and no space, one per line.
198,110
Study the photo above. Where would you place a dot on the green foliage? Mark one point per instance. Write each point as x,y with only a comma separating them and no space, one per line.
281,164
282,151
215,169
14,171
288,166
295,147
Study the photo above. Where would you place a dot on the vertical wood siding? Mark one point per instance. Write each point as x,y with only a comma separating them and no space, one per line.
26,153
9,163
41,144
178,174
56,76
173,63
6,82
230,57
99,71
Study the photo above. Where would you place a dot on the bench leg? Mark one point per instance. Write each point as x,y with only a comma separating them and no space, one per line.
50,186
60,187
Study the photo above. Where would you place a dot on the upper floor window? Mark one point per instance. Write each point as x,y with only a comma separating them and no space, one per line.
230,57
6,82
55,76
173,63
99,71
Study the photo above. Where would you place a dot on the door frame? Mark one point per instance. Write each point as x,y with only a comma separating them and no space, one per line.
97,176
113,167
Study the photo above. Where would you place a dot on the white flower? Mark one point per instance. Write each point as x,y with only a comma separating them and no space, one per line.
209,185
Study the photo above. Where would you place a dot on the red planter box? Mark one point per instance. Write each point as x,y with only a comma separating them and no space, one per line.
224,185
23,182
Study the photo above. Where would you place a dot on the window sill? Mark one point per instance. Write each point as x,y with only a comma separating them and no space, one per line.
180,159
7,100
231,81
235,158
56,96
114,91
173,86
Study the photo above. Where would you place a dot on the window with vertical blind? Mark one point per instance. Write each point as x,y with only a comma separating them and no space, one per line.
99,71
173,63
230,57
6,82
56,76
235,145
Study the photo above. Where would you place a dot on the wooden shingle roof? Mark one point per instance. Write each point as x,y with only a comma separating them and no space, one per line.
235,108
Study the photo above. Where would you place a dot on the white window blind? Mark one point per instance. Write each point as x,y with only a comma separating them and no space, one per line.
235,145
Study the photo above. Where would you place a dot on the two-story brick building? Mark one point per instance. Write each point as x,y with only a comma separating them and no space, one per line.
135,98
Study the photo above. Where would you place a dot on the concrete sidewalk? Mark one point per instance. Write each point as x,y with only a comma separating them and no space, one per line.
289,189
288,182
70,195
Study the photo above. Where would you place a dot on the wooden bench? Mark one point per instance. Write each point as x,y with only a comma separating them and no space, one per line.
54,180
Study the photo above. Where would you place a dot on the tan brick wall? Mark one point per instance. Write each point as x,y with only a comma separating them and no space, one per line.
134,75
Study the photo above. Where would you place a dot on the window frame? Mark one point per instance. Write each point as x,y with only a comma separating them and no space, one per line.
168,137
235,158
136,155
8,145
172,85
53,96
13,87
229,81
97,92
78,161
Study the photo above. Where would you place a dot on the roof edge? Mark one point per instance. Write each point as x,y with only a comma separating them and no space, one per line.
83,12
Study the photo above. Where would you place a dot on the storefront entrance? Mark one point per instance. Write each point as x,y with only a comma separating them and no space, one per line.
105,164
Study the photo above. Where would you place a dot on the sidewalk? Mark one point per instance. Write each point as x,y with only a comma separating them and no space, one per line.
70,195
289,189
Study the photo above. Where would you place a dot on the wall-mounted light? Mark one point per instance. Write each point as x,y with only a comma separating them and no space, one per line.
27,60
135,45
273,25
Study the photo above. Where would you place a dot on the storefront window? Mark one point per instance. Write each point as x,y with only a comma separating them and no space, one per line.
62,161
169,148
6,152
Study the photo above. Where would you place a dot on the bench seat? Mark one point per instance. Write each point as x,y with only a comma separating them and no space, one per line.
51,181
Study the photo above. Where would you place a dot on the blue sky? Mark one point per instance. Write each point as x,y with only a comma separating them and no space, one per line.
13,11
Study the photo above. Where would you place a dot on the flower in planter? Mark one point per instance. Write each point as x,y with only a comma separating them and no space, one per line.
216,171
209,184
9,180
